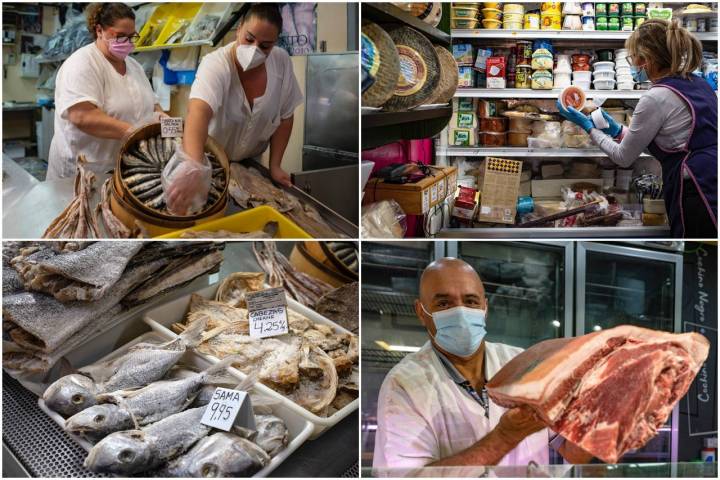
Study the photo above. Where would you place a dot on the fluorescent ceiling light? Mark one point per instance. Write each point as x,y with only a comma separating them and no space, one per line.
396,348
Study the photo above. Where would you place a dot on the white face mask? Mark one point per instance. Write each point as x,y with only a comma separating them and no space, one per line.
249,56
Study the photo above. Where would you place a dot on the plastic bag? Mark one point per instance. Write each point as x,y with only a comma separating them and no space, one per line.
190,179
383,219
574,136
546,135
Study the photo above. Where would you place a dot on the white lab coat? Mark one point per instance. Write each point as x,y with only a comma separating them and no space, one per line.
424,416
244,132
87,76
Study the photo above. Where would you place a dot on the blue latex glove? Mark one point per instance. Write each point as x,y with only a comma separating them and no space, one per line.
614,129
578,118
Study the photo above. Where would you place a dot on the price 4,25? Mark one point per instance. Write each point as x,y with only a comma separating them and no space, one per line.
220,411
270,326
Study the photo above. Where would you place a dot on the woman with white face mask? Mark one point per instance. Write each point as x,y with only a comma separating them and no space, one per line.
101,94
244,96
676,121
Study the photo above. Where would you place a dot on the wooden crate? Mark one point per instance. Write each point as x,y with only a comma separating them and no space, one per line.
414,198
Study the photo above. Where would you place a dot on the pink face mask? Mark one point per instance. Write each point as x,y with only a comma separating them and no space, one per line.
120,50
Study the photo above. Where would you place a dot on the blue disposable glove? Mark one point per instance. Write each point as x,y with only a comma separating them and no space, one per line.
614,129
578,118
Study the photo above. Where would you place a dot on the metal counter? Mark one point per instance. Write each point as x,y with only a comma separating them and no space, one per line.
37,207
35,446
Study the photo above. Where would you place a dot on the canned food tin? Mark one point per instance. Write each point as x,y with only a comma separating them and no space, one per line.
523,76
613,10
614,24
551,21
512,25
532,21
524,52
551,7
601,9
601,23
640,9
513,8
639,21
701,25
627,8
588,9
525,205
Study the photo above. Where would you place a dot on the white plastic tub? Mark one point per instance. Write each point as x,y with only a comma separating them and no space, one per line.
299,429
582,76
161,319
606,84
604,75
604,66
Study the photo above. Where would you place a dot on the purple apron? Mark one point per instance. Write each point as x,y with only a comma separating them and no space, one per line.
698,158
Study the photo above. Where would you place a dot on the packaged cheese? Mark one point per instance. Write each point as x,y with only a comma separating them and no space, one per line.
462,137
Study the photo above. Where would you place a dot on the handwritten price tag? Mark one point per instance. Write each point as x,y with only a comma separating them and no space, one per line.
227,408
171,127
267,312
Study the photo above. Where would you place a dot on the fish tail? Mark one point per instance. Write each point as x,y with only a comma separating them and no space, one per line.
213,372
192,336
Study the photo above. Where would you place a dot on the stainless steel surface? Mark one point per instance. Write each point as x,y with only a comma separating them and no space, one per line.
536,233
331,101
39,206
16,181
336,220
314,158
333,186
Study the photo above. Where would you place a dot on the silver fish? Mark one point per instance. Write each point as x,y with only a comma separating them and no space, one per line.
143,147
139,178
156,202
158,400
132,171
145,186
151,192
219,455
272,433
70,394
134,451
130,160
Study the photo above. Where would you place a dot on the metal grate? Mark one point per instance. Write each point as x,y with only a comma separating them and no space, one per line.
352,472
38,443
388,302
382,356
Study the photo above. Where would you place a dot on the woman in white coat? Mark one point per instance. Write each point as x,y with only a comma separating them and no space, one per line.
244,96
101,94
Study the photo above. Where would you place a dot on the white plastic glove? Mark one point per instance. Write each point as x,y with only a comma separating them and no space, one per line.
186,183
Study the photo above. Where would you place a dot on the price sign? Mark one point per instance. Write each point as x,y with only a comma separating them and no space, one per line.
171,127
267,312
227,408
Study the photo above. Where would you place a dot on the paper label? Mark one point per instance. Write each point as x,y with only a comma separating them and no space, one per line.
227,408
425,200
434,193
171,127
267,312
441,188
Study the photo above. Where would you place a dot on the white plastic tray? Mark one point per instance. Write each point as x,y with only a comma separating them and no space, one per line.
161,319
299,429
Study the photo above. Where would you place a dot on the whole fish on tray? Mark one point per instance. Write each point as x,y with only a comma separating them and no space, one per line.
143,364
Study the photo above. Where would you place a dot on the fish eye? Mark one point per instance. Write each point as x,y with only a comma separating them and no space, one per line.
99,418
208,470
78,399
126,456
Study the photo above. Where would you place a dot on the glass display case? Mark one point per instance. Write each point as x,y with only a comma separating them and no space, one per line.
624,285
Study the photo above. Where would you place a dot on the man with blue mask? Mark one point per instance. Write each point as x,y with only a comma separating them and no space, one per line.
433,410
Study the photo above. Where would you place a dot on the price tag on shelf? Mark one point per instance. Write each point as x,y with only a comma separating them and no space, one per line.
267,312
227,408
171,127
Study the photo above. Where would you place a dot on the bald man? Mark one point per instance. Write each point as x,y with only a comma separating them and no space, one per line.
433,409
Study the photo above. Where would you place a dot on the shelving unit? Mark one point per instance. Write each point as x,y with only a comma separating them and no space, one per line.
554,93
557,34
516,152
379,127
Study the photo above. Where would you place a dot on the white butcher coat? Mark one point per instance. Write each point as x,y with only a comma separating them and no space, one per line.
424,416
87,76
242,131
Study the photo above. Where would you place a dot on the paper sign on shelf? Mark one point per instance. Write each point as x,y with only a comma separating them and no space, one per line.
227,408
267,312
171,127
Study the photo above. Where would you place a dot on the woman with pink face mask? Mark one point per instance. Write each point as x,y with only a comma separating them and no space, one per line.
244,96
101,94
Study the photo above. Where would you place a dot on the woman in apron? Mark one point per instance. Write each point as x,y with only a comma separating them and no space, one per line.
676,121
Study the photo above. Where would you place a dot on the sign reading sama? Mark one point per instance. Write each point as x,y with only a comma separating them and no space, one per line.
227,408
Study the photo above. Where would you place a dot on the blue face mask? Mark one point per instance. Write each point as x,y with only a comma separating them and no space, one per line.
639,76
460,330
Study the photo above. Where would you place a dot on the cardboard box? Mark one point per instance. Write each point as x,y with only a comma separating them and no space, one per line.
495,72
414,198
550,189
500,191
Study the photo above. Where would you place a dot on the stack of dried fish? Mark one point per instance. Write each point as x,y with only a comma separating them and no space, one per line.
70,296
312,365
113,226
142,412
341,306
269,231
142,167
77,221
249,188
301,286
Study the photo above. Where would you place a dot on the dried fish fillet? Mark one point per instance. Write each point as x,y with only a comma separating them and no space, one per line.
233,288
